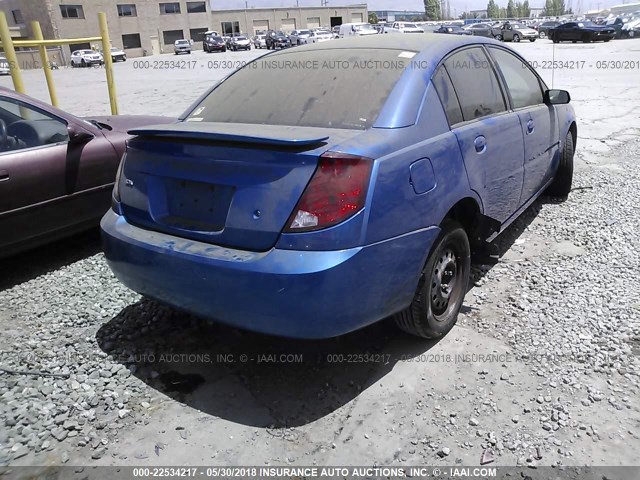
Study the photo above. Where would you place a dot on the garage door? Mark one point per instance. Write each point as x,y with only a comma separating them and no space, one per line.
288,24
260,26
356,18
313,22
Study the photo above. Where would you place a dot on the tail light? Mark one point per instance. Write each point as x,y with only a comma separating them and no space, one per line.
336,192
115,196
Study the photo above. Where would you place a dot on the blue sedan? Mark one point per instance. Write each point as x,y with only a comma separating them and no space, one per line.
357,188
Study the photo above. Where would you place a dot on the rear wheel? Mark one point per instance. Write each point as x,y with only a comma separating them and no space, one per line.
543,35
561,185
516,37
498,37
442,285
532,40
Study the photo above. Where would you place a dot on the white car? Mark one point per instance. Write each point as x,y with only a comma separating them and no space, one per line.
318,36
86,58
118,54
4,66
404,27
348,29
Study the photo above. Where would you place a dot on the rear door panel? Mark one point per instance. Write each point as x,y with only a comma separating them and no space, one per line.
496,173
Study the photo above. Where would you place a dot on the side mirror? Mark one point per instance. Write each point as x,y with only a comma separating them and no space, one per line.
556,97
78,135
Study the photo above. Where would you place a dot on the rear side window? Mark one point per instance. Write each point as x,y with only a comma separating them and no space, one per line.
332,88
522,83
476,83
448,96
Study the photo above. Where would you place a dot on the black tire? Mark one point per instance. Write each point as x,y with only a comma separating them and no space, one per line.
435,306
516,38
498,37
543,35
561,185
532,40
555,40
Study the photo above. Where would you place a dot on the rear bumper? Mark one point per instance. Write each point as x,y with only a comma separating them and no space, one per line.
282,292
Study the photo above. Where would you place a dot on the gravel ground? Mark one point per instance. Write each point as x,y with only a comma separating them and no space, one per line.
542,368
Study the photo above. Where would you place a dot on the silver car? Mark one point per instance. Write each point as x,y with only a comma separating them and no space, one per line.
514,32
182,46
259,41
299,37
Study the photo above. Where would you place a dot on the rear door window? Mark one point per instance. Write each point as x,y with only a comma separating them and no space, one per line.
475,83
448,96
333,88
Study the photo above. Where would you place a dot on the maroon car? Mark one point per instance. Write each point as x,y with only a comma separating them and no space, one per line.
56,170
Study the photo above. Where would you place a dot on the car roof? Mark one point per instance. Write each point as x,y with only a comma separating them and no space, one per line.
415,43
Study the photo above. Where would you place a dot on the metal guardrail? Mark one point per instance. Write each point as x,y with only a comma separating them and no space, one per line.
8,44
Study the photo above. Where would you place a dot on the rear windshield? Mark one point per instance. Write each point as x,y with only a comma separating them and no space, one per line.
331,88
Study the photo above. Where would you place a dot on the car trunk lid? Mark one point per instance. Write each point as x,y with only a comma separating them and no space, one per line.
233,185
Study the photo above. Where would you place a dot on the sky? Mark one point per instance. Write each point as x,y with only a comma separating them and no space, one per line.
459,5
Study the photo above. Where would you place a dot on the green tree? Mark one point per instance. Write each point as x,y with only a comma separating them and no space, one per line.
511,12
526,9
373,18
432,9
549,8
492,9
560,7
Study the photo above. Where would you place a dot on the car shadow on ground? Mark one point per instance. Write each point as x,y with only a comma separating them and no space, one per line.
506,239
260,380
250,378
30,264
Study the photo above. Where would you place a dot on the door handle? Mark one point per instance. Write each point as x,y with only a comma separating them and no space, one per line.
480,143
4,175
530,126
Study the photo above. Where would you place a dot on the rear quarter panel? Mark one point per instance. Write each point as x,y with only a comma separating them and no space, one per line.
393,206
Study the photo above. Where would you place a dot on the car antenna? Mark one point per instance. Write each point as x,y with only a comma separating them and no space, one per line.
553,62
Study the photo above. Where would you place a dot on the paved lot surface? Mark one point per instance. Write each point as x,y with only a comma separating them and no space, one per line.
542,368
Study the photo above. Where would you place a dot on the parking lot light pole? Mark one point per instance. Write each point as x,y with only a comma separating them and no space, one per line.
108,61
10,52
37,34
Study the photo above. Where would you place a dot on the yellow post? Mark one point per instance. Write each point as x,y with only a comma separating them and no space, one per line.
10,52
108,61
37,33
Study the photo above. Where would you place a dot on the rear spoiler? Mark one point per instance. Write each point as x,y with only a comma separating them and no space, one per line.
278,135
